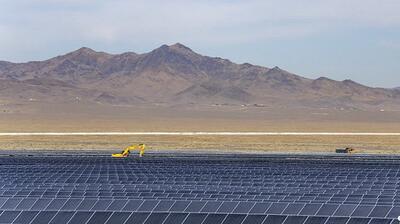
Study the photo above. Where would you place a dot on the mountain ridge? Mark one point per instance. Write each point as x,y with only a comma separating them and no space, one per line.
175,74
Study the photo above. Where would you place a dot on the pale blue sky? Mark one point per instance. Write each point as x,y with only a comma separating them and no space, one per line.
340,39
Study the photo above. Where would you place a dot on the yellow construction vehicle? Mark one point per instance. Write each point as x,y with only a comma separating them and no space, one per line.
125,153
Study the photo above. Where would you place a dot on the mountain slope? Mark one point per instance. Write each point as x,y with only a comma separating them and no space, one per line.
177,75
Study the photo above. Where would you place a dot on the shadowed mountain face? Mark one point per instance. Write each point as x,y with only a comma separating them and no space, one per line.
175,75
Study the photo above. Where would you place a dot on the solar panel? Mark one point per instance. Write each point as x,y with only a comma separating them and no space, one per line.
394,212
43,217
71,204
62,217
179,206
26,217
2,201
215,218
310,209
11,204
117,205
26,204
8,216
243,207
358,221
327,210
118,217
234,219
41,204
56,204
345,210
101,205
380,211
293,209
381,221
86,204
138,217
363,210
211,206
295,219
80,217
132,205
254,219
174,218
227,207
195,206
194,218
99,217
156,218
274,219
277,208
164,206
148,205
316,220
260,208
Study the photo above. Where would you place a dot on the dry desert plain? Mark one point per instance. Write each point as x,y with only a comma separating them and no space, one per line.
36,117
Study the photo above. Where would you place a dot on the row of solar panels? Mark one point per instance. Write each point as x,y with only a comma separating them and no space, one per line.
154,169
257,182
222,198
311,190
154,190
160,173
234,171
313,173
199,207
218,195
233,201
71,217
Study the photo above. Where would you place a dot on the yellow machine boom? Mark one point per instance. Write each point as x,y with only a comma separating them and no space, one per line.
127,150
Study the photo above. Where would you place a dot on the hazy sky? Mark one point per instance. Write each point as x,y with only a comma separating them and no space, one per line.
340,39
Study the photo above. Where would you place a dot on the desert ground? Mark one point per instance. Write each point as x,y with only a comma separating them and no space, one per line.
103,118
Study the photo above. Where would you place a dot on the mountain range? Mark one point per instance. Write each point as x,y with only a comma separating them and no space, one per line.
176,75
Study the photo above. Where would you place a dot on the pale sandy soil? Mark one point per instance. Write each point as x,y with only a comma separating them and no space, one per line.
100,118
364,144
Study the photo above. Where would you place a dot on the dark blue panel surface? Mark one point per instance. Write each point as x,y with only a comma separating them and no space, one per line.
99,217
118,217
274,219
80,217
138,218
62,217
156,218
195,218
43,217
214,218
174,218
8,216
195,187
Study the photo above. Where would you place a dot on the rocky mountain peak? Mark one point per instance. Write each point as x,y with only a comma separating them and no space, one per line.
84,50
177,48
86,56
181,47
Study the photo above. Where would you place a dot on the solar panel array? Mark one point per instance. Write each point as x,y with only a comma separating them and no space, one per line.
207,189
